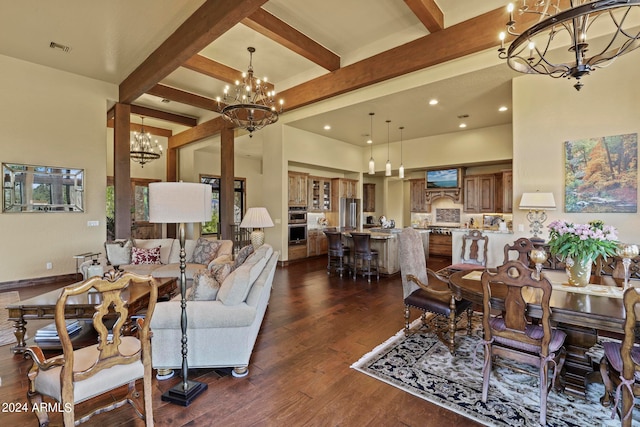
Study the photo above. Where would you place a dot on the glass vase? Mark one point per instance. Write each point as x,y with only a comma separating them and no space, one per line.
578,271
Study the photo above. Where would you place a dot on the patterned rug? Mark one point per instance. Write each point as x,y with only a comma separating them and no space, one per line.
421,365
6,326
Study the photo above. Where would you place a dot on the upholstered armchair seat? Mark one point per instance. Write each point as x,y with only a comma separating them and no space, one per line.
436,304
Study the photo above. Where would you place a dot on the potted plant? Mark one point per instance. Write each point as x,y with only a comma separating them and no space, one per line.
578,245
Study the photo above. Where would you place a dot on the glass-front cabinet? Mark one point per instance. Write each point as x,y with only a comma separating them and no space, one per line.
319,194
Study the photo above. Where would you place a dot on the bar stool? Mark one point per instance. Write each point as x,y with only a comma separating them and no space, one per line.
336,253
362,251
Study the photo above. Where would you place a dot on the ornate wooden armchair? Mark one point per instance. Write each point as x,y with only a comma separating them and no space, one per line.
425,290
474,251
620,366
522,247
512,335
114,361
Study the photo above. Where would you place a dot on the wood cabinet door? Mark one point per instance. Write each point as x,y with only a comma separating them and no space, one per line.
507,192
369,197
471,194
297,189
486,193
417,195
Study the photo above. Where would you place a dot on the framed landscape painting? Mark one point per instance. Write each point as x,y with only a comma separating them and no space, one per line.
601,174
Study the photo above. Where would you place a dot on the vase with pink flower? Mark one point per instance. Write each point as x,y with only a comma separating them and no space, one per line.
579,245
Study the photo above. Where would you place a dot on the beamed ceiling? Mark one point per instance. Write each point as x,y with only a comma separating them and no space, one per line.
171,59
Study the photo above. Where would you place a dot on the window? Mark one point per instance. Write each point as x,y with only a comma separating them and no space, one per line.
239,194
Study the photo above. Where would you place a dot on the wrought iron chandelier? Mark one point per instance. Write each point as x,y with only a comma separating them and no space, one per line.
249,104
143,150
613,27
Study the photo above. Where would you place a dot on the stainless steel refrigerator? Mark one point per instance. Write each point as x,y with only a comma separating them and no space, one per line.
349,213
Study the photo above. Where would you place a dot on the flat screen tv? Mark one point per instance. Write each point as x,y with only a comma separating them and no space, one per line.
443,178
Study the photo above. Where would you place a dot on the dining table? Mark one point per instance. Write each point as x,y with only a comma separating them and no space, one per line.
586,315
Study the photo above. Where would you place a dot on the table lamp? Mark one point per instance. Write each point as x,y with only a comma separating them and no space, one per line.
257,219
537,203
181,202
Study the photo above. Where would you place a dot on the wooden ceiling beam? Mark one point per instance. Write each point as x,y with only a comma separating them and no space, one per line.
268,25
183,97
163,115
151,129
210,21
465,38
211,68
200,132
428,13
468,37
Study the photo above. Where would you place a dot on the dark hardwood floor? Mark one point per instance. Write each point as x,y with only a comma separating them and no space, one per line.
316,326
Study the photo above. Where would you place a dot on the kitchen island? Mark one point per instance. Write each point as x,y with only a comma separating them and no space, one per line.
386,242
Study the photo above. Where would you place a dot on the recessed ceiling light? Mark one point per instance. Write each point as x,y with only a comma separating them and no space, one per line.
369,141
462,125
433,102
503,108
327,127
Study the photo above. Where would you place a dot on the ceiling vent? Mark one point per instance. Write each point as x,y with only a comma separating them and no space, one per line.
54,45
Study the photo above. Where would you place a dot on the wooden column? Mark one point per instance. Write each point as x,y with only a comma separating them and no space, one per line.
122,170
226,183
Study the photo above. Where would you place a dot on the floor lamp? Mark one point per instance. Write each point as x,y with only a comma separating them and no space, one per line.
181,202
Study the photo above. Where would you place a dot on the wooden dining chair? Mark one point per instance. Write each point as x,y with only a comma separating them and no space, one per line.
522,247
513,336
620,365
116,360
424,290
474,252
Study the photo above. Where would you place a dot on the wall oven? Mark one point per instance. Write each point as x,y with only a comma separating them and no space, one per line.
298,234
297,215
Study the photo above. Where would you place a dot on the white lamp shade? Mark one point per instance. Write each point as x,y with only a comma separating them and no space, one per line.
372,166
256,218
537,200
179,202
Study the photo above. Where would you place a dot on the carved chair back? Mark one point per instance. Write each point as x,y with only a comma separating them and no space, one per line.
523,247
472,240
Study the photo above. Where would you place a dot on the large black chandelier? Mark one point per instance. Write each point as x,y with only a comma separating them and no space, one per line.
586,35
250,104
143,150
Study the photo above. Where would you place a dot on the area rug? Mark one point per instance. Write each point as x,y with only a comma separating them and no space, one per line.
6,326
422,365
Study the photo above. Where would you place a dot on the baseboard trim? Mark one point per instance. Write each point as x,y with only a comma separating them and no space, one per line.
49,280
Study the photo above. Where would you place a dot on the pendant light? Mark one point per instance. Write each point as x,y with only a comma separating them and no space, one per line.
372,163
387,167
401,169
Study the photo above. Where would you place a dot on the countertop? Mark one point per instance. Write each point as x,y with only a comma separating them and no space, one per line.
484,230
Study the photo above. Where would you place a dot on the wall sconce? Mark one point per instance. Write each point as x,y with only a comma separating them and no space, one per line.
537,203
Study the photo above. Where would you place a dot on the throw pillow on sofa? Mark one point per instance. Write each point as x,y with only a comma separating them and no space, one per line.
242,256
145,256
206,283
205,250
119,251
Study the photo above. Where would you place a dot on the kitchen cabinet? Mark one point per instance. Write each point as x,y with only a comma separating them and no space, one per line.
319,194
417,191
345,187
440,245
317,243
479,194
507,191
298,189
489,193
369,197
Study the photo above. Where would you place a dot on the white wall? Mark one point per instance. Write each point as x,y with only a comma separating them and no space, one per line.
50,117
547,112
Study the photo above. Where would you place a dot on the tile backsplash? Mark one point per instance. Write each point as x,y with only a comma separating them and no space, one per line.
448,215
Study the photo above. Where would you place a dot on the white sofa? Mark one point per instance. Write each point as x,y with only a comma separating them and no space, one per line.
169,257
218,335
